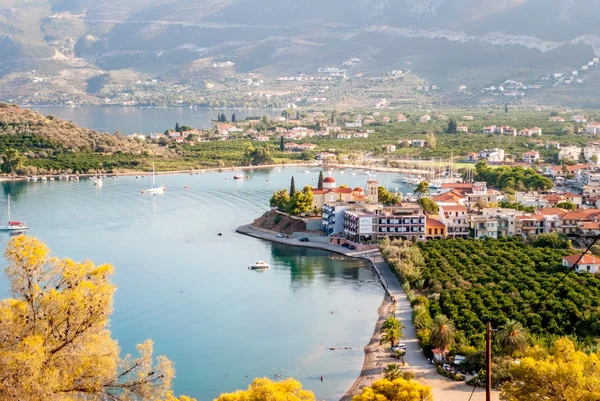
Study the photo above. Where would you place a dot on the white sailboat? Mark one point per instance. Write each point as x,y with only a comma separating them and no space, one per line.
154,189
13,225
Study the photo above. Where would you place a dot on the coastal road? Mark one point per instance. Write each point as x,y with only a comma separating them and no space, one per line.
443,389
376,358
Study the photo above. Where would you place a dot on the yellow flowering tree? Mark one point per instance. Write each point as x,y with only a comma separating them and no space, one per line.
268,390
562,373
395,390
54,339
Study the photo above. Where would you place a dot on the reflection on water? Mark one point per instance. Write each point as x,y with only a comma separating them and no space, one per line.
190,289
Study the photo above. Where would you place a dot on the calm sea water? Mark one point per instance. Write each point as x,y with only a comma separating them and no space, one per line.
190,290
131,120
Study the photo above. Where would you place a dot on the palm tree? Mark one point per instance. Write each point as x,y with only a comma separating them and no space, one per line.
392,323
392,372
512,337
442,333
391,335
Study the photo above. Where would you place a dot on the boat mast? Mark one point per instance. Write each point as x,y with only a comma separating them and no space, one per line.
8,208
153,181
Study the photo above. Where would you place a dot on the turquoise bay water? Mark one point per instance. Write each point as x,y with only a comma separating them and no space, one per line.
190,290
131,120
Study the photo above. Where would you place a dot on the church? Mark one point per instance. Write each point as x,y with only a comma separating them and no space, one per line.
331,194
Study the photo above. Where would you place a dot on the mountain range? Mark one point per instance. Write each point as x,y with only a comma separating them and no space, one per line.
85,46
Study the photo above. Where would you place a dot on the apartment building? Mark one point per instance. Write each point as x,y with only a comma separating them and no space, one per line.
456,220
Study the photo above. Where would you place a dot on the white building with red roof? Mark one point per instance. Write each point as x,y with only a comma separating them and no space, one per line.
588,263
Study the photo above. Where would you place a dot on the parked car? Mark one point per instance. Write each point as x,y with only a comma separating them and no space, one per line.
345,245
303,239
279,235
351,247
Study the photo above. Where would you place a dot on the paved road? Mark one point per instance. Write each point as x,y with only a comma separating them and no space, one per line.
443,389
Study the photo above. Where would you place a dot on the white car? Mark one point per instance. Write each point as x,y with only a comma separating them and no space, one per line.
279,235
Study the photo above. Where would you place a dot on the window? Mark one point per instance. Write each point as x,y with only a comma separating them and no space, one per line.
429,231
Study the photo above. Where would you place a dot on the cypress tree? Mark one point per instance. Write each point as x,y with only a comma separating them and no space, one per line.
297,115
224,118
292,187
320,184
281,144
506,108
177,129
333,117
233,119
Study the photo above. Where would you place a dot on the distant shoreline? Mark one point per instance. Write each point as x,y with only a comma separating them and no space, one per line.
143,172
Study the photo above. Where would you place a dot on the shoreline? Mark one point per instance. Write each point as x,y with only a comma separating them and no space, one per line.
376,357
174,172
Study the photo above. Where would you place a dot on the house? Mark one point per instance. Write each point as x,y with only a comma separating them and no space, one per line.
530,224
494,155
386,119
354,125
344,135
524,132
556,119
401,118
462,128
552,145
418,143
535,131
592,128
467,118
473,157
506,130
261,138
587,263
425,119
579,119
569,153
489,130
434,229
360,134
531,157
389,148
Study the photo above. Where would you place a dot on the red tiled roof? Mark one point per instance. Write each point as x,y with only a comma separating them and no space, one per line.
553,210
342,190
357,189
432,223
329,179
590,225
587,259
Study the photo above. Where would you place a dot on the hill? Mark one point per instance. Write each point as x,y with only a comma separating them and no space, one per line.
446,43
53,145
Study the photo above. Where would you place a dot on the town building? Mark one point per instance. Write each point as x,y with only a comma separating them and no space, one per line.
456,220
531,157
556,119
494,155
434,229
425,119
389,148
587,263
569,153
592,128
462,128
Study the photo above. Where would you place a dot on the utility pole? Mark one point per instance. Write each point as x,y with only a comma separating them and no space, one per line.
488,362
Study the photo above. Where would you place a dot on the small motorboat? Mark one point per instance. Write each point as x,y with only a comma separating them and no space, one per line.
238,177
260,265
306,171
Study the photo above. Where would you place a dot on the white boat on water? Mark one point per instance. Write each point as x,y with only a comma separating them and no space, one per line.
306,171
260,265
154,189
13,225
238,177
